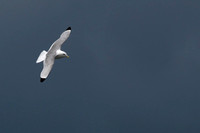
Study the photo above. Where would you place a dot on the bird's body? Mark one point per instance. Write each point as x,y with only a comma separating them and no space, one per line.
53,53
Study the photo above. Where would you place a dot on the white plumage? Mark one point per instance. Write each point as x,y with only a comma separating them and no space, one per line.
53,53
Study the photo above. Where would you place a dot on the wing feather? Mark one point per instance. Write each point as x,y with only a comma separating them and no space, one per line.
58,43
47,66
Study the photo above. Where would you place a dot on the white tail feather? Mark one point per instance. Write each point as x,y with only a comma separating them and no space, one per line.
41,57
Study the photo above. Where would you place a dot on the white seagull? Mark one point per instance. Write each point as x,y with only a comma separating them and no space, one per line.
53,53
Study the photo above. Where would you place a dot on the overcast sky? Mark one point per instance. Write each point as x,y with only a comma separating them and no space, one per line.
134,66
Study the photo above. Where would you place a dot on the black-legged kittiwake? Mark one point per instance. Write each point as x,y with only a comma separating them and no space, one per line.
53,53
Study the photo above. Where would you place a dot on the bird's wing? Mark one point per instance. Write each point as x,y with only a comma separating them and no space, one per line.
58,43
47,66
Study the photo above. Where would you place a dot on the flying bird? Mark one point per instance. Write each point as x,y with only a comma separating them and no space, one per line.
53,53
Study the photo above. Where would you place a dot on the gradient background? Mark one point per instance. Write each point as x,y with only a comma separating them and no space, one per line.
134,66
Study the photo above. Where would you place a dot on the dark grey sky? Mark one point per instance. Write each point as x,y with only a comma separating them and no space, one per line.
134,66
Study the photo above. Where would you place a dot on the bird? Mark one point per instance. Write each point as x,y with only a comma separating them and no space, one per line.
54,52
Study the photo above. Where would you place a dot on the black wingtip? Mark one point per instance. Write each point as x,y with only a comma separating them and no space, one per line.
42,79
69,28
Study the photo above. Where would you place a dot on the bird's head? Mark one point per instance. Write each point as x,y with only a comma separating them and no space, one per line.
64,54
61,54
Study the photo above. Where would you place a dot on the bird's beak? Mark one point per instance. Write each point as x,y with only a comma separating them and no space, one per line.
67,56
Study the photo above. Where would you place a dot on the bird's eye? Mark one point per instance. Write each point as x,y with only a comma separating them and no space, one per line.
63,54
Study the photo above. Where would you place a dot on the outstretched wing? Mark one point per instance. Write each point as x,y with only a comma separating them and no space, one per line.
58,43
47,66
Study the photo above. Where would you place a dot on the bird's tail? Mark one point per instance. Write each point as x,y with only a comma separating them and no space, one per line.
42,56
